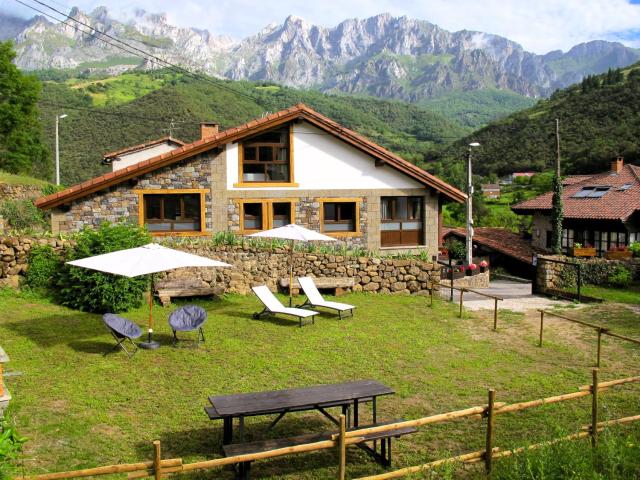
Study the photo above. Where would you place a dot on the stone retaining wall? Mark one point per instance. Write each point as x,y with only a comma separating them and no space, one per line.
255,267
19,192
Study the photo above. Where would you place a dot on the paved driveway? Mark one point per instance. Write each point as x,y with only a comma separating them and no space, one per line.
517,297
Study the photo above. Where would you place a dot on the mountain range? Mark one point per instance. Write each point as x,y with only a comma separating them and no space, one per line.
382,56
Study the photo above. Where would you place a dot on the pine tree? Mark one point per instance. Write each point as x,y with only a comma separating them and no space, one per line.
21,149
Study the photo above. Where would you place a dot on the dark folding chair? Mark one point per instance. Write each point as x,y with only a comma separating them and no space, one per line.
187,319
122,330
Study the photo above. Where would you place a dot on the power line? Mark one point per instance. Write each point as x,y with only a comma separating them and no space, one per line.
115,114
133,49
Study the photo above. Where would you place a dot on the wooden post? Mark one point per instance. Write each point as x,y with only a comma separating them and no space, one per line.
488,458
461,293
594,408
541,326
599,347
431,294
1,381
342,448
157,470
495,314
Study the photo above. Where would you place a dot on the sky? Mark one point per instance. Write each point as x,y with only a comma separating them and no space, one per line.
539,26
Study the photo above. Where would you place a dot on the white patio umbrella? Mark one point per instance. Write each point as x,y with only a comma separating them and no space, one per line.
146,260
293,233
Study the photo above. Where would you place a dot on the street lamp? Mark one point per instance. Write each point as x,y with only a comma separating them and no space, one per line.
469,249
58,118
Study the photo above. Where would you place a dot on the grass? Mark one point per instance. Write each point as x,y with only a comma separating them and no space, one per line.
79,409
13,179
631,294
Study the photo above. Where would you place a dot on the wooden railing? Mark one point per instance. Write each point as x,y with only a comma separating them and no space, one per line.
462,290
158,467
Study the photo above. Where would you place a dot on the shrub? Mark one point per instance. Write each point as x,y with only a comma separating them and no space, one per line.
621,277
635,249
22,215
10,448
457,249
94,291
44,265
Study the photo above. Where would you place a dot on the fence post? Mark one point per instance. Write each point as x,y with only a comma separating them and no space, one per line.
461,294
342,448
157,470
451,278
594,408
488,454
495,314
541,326
431,294
599,347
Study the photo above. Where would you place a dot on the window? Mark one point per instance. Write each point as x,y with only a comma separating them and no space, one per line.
591,192
166,212
567,239
266,158
257,215
401,221
340,216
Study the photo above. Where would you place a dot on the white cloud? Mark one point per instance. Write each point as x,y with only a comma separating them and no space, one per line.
539,26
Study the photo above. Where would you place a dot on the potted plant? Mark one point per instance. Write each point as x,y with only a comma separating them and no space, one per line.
618,253
583,251
472,269
458,271
484,266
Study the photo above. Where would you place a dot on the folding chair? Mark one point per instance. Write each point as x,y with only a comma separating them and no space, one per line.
122,330
186,319
315,299
272,306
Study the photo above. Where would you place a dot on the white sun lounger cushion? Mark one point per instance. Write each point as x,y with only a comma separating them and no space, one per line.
316,299
274,305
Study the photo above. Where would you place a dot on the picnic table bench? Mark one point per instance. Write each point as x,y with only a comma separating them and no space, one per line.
184,287
347,396
336,285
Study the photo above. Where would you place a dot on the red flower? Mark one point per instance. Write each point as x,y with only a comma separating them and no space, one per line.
472,266
484,264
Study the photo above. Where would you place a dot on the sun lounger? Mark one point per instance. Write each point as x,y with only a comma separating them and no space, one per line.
273,306
315,299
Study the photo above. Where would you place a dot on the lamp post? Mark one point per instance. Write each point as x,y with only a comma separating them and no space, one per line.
469,248
58,118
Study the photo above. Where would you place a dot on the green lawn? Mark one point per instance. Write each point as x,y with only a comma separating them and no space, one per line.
12,179
631,294
80,409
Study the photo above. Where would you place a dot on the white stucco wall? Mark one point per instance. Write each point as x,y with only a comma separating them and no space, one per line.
135,157
322,162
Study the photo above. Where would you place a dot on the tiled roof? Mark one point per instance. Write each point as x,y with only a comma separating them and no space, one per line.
617,204
142,146
299,111
498,239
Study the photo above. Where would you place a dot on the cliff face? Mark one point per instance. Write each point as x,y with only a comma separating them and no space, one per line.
385,56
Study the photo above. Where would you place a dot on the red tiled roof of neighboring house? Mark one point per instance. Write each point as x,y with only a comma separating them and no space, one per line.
299,111
142,146
498,239
618,203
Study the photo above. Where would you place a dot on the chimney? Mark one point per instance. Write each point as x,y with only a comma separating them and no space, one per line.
208,129
617,164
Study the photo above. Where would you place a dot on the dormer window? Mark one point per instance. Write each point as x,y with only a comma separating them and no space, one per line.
266,157
591,192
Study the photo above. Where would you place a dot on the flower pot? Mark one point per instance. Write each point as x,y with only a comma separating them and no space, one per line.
484,269
622,255
458,275
583,252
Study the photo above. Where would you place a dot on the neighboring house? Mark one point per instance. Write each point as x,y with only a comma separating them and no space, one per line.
509,179
600,210
490,190
293,166
131,155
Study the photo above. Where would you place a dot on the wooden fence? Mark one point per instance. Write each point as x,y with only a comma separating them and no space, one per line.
599,329
158,467
462,290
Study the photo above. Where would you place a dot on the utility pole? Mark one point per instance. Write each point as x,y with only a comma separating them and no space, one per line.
58,117
469,246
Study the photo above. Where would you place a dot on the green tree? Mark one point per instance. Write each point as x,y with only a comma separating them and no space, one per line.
21,148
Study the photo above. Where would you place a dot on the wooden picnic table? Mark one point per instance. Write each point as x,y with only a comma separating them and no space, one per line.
281,402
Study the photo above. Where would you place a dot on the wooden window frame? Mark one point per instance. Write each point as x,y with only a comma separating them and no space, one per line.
395,219
357,201
178,191
267,212
242,184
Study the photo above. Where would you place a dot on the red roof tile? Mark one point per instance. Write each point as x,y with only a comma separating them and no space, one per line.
142,146
498,239
616,204
299,111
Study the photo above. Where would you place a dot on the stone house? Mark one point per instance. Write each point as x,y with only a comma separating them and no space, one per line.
490,190
602,210
293,166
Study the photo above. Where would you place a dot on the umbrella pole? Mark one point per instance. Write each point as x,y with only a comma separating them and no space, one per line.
150,344
291,276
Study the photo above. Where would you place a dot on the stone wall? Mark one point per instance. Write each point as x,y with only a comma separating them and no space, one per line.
549,275
255,267
19,192
479,280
